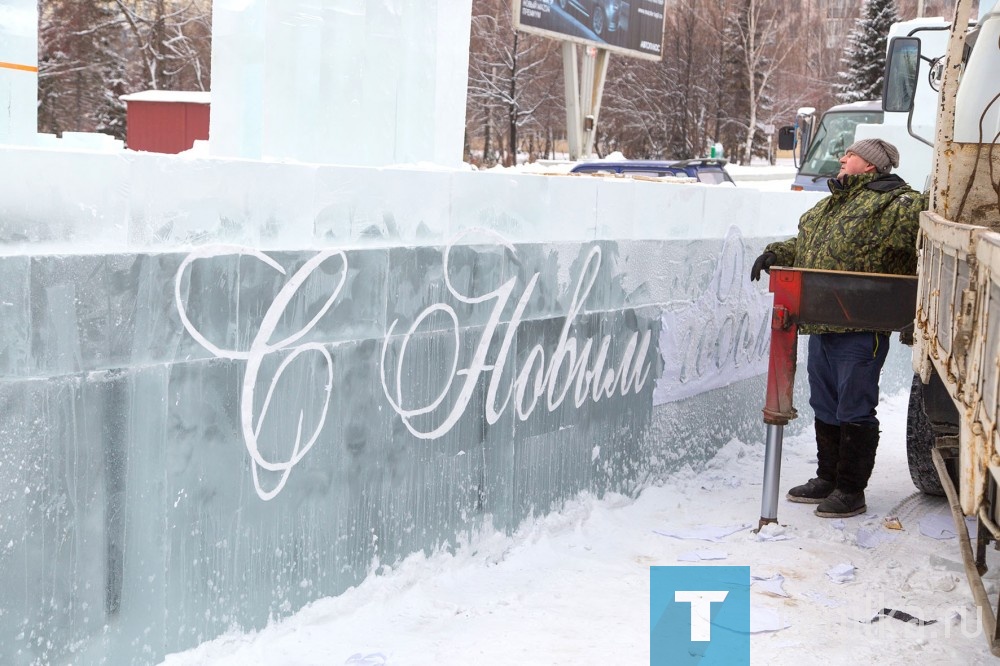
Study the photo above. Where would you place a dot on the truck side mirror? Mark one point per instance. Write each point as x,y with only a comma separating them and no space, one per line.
786,138
901,69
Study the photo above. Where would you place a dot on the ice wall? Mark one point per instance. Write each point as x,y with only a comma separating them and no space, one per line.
369,82
193,439
228,388
128,201
18,71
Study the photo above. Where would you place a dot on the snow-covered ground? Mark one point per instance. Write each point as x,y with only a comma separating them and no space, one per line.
573,587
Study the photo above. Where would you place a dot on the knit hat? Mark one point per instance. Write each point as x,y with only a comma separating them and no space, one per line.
882,154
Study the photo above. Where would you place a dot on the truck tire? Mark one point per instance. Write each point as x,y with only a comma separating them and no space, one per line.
920,442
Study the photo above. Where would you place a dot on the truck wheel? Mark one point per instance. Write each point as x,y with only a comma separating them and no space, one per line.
919,442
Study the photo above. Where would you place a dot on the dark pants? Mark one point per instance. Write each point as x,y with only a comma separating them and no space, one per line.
843,372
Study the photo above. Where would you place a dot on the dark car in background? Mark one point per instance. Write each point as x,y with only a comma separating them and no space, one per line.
711,171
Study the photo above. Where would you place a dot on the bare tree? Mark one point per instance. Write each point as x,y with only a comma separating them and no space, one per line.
513,79
762,46
172,38
79,70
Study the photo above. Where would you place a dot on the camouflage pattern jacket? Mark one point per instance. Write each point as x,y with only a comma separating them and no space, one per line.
868,224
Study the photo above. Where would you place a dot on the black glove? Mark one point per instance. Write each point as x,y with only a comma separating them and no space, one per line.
764,262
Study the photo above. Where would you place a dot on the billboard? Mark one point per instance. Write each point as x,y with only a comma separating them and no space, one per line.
630,27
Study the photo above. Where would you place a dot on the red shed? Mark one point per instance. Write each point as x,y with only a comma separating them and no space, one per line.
166,121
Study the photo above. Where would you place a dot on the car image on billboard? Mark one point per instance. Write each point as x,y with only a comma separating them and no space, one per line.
633,27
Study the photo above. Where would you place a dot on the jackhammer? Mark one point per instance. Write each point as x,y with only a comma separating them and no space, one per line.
862,301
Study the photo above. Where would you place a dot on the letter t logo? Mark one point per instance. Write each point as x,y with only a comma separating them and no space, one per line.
701,610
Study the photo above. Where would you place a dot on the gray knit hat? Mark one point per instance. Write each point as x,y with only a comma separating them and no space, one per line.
882,154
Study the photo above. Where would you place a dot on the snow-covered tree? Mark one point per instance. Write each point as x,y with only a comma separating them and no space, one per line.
760,48
864,61
513,83
80,69
90,53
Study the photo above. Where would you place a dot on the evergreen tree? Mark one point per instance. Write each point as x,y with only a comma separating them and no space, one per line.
864,61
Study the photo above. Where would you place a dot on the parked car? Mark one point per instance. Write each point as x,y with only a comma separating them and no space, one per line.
711,171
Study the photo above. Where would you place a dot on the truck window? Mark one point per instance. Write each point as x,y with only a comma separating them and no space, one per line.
834,134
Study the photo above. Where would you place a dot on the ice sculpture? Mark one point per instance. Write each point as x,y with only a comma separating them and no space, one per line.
18,71
229,387
340,81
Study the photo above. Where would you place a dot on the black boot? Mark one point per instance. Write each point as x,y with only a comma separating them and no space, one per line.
815,490
858,442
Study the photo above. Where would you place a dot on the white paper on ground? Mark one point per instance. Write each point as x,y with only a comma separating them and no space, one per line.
702,555
841,573
941,526
765,619
771,584
822,599
703,533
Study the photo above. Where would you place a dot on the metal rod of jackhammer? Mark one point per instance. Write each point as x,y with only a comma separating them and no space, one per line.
772,475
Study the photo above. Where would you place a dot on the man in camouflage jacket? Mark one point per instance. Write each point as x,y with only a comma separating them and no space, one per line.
868,224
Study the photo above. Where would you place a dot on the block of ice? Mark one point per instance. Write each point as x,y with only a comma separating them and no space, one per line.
18,71
340,81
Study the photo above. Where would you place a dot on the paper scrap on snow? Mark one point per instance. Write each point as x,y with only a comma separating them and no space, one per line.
822,599
702,555
765,619
771,584
873,537
941,526
704,533
841,573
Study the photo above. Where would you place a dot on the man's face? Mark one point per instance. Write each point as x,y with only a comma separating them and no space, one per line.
852,165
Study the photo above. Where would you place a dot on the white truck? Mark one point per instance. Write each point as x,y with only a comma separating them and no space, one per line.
818,144
952,437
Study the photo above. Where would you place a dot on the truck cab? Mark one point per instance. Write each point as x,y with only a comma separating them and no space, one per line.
832,135
912,134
